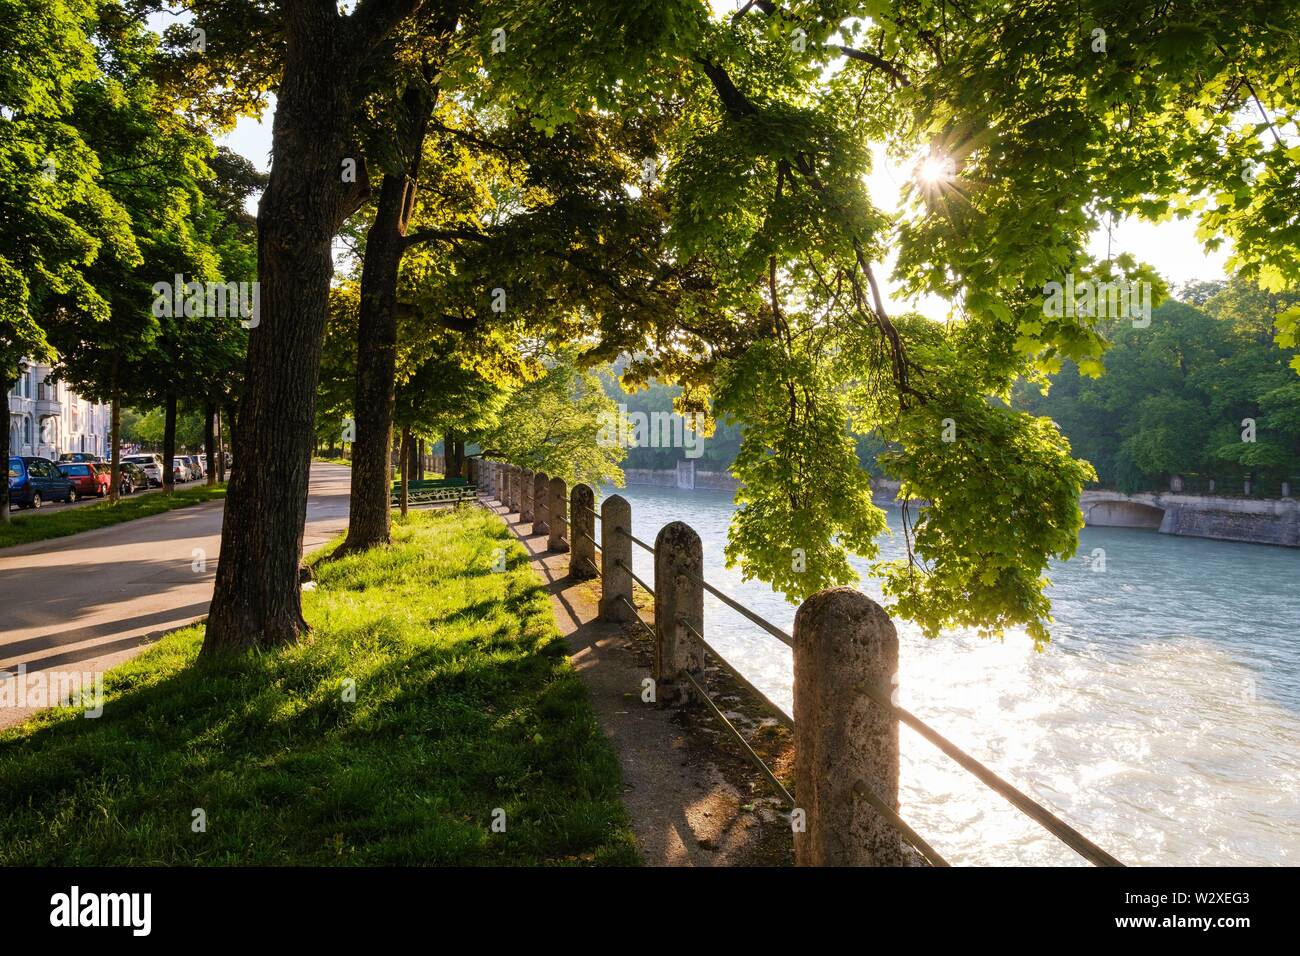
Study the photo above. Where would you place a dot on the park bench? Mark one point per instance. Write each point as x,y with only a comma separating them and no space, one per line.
436,491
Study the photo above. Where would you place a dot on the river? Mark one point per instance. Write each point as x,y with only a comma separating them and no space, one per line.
1163,720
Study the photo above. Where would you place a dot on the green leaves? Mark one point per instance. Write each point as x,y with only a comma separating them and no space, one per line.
805,505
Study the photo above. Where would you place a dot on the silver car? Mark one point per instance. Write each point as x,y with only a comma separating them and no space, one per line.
151,465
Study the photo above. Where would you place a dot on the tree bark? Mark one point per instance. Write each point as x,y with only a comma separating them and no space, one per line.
169,447
210,441
370,515
257,601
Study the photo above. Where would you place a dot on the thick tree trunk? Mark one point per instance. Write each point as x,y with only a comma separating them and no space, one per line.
169,446
115,452
257,601
372,407
369,517
7,383
210,441
419,460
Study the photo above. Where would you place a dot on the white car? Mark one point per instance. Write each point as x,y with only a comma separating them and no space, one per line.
152,465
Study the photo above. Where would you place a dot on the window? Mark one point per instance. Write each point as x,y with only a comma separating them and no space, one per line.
27,430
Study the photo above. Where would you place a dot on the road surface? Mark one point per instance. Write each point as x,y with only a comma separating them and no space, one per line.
89,601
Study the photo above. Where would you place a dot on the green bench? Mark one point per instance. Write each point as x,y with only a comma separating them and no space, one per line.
434,492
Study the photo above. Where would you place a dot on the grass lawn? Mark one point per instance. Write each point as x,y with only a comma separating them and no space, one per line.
335,461
37,526
465,704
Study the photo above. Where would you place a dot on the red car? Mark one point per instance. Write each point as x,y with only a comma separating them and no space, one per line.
86,477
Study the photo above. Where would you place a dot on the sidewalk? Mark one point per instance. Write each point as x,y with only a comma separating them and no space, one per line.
691,802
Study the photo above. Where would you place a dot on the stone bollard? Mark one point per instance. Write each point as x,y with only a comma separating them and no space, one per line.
679,567
541,504
512,489
582,544
843,740
526,496
615,559
558,540
473,470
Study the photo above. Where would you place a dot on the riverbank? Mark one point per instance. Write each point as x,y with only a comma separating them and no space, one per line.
1158,721
431,718
692,796
1273,521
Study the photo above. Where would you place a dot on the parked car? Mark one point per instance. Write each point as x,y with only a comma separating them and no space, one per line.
181,471
86,477
132,478
78,456
150,464
224,459
34,481
198,466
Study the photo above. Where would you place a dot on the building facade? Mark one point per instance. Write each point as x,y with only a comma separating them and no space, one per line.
46,419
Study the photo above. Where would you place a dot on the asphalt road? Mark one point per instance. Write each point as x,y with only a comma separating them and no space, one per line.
89,601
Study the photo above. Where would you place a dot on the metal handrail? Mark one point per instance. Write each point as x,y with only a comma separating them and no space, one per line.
633,575
1017,798
781,716
1053,824
918,842
754,758
635,539
637,614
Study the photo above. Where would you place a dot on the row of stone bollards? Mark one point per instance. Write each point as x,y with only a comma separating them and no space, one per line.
846,745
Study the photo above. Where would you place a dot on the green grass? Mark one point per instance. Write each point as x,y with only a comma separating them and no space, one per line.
465,702
335,461
29,526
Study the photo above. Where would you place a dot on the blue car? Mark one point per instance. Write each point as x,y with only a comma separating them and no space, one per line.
33,481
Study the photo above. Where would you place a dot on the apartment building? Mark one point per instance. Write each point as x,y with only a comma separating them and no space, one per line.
47,419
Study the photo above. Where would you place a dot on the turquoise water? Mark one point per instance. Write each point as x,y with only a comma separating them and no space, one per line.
1163,721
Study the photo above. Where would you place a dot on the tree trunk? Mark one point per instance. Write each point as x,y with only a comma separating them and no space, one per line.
210,441
406,471
419,460
7,382
169,447
224,431
370,514
257,601
115,452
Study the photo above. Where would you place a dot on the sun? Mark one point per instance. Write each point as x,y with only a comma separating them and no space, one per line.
935,170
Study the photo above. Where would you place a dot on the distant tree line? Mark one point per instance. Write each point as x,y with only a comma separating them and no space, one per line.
1205,393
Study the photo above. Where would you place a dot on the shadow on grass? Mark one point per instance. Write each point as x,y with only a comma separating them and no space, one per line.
408,723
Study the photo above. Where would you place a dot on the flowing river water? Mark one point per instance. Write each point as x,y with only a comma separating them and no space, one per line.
1163,720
